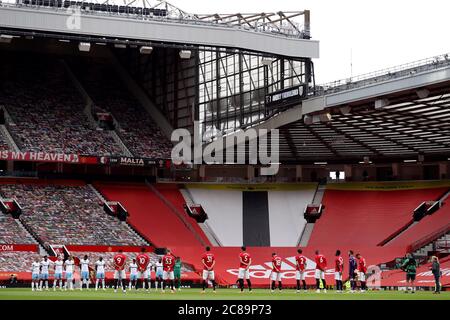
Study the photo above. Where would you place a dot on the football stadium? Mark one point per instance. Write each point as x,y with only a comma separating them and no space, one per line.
148,152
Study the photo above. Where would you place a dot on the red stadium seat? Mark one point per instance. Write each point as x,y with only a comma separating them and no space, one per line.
150,215
366,217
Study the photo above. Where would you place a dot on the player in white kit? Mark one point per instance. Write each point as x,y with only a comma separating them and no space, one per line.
148,275
133,275
159,274
45,263
100,267
35,271
58,273
84,266
69,273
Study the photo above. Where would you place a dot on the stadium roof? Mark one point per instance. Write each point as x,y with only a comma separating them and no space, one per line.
267,33
395,114
412,118
404,130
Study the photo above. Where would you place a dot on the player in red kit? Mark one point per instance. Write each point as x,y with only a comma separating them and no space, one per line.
300,261
168,265
362,269
208,261
119,261
321,264
143,260
276,272
338,268
245,260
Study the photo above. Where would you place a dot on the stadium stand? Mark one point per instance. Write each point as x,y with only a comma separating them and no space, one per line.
172,194
426,227
368,217
149,214
136,128
100,7
12,233
3,143
14,261
47,111
60,214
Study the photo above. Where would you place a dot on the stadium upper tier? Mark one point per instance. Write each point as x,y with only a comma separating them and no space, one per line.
135,127
69,214
12,233
47,111
271,33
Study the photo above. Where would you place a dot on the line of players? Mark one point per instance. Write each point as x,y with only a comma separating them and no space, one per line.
140,268
357,271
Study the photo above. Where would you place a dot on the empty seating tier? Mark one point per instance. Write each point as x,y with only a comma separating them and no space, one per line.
366,217
74,215
150,215
47,111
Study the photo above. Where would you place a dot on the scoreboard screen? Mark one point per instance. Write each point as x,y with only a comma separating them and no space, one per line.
286,97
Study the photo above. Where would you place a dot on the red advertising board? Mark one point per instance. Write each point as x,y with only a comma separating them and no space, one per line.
75,248
18,247
227,262
39,156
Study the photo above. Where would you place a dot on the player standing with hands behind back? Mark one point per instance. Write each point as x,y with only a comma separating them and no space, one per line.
168,274
245,260
338,268
321,264
35,271
144,274
300,260
208,261
276,272
362,269
119,273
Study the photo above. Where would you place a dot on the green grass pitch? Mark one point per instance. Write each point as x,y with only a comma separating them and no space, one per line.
222,294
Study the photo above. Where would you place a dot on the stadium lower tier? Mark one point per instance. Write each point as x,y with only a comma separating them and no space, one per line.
430,225
151,215
367,217
353,219
64,213
16,262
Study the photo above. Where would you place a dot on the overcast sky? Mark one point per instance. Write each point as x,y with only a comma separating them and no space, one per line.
376,33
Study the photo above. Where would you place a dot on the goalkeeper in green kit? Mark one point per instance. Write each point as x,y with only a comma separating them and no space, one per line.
409,265
177,273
